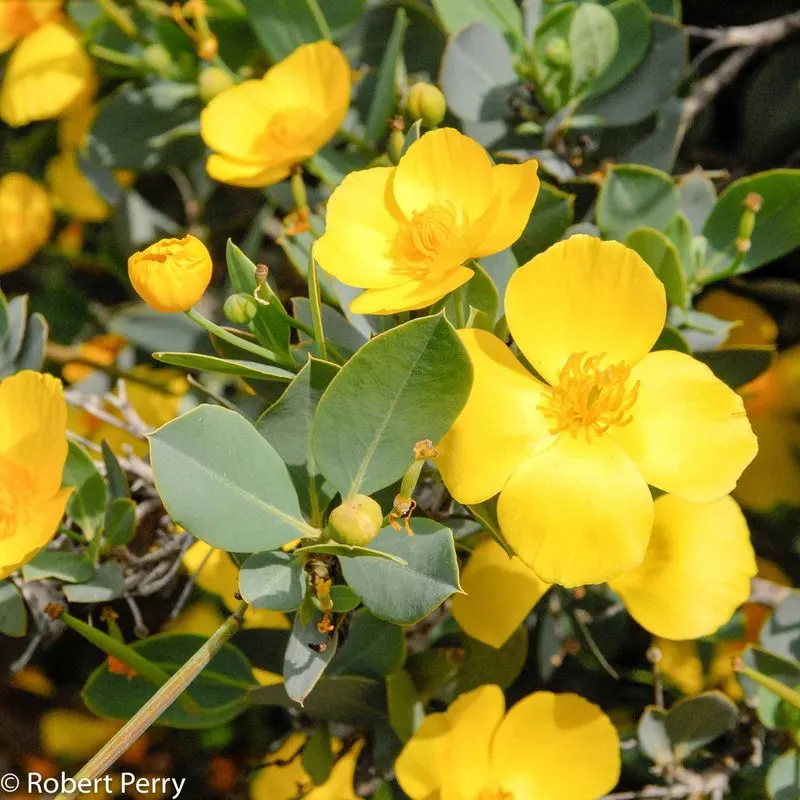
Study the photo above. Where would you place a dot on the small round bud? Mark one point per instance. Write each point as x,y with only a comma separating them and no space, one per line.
158,59
208,47
213,81
240,308
426,102
394,147
558,53
356,521
753,202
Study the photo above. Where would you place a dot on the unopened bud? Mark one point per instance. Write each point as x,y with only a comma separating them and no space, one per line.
558,53
753,201
356,521
426,102
158,59
211,82
208,47
240,308
394,147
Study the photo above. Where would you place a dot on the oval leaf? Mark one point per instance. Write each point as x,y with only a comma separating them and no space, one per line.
272,580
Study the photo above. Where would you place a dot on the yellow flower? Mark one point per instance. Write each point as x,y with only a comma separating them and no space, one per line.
72,192
572,455
33,449
72,735
26,220
260,129
172,274
290,781
18,18
74,126
202,618
753,325
47,74
548,746
695,574
416,224
101,349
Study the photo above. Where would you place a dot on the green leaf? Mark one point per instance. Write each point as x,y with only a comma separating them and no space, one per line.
348,551
384,95
781,631
120,527
551,216
17,311
286,425
405,709
679,231
373,648
344,598
4,320
486,664
552,78
737,366
107,584
635,196
671,339
634,34
477,74
662,256
341,16
651,732
283,25
117,480
151,330
338,330
593,42
348,699
480,295
782,671
223,482
34,343
777,230
219,692
783,777
225,366
70,567
269,325
698,197
403,386
307,655
87,503
405,594
500,14
317,755
693,722
650,85
13,614
272,580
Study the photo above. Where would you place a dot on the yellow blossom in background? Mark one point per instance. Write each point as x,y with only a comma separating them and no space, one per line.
73,735
417,224
290,781
72,192
18,18
172,274
260,129
572,455
548,747
202,618
696,572
26,220
772,401
48,73
101,349
32,680
74,126
33,449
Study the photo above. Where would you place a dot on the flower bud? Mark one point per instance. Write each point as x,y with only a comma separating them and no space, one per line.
240,308
208,47
356,521
557,53
158,59
426,102
213,81
172,274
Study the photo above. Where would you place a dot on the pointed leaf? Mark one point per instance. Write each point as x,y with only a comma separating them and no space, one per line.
307,655
13,614
272,580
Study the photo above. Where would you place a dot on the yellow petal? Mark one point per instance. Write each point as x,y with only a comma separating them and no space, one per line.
577,512
496,428
202,618
499,593
245,173
264,618
72,191
515,189
689,435
362,209
48,72
556,746
339,785
754,325
411,295
422,763
26,220
33,425
696,571
217,573
282,781
680,662
72,735
444,167
474,718
584,295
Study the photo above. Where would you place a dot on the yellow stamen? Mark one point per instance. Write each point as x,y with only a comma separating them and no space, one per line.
424,237
495,794
589,397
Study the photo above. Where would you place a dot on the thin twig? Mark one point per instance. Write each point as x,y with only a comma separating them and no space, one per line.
140,630
187,589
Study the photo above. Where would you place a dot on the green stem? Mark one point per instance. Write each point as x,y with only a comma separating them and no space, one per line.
316,305
458,302
115,57
159,702
120,17
237,341
775,686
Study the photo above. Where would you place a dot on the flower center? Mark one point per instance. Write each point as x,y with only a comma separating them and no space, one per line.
589,397
286,130
424,237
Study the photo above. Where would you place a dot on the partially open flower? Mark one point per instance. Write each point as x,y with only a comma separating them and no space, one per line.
26,220
260,129
172,274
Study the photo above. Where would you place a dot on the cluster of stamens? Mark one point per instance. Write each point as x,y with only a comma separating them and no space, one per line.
423,237
589,397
